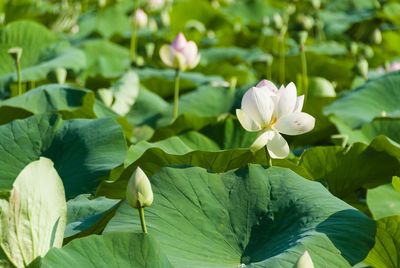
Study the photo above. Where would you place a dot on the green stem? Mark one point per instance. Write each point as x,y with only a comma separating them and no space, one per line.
142,220
268,157
304,72
18,66
133,45
282,58
268,71
176,94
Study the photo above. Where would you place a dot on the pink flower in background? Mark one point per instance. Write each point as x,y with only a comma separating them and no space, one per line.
181,54
394,66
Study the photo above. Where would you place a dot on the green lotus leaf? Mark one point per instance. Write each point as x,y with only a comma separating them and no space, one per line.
80,155
256,216
383,201
68,101
42,52
376,98
387,246
87,215
112,250
345,170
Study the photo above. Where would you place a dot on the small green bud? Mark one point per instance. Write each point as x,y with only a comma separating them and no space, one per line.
277,21
303,35
15,53
61,75
362,67
353,47
376,37
316,4
368,52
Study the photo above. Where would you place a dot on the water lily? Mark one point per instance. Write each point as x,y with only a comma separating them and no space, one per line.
181,54
270,111
139,192
305,261
140,18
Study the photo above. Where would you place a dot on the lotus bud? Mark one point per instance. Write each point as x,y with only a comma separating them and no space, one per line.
368,52
102,3
15,53
321,87
305,261
140,18
61,75
376,37
139,193
181,54
316,4
353,48
277,21
155,4
303,38
362,67
165,18
266,21
305,22
290,9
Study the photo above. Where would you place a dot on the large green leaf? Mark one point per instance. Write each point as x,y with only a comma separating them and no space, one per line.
346,170
99,22
33,220
174,151
68,101
42,52
378,97
383,201
386,252
105,59
196,109
80,154
389,127
87,215
259,217
110,250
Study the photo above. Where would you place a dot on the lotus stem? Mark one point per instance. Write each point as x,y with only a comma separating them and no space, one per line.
176,94
304,79
133,45
268,157
282,56
18,66
268,72
142,220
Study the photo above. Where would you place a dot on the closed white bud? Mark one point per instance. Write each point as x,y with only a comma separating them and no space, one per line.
305,261
139,192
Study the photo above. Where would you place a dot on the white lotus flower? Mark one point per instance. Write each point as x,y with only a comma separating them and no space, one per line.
140,18
181,54
139,192
270,111
305,261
